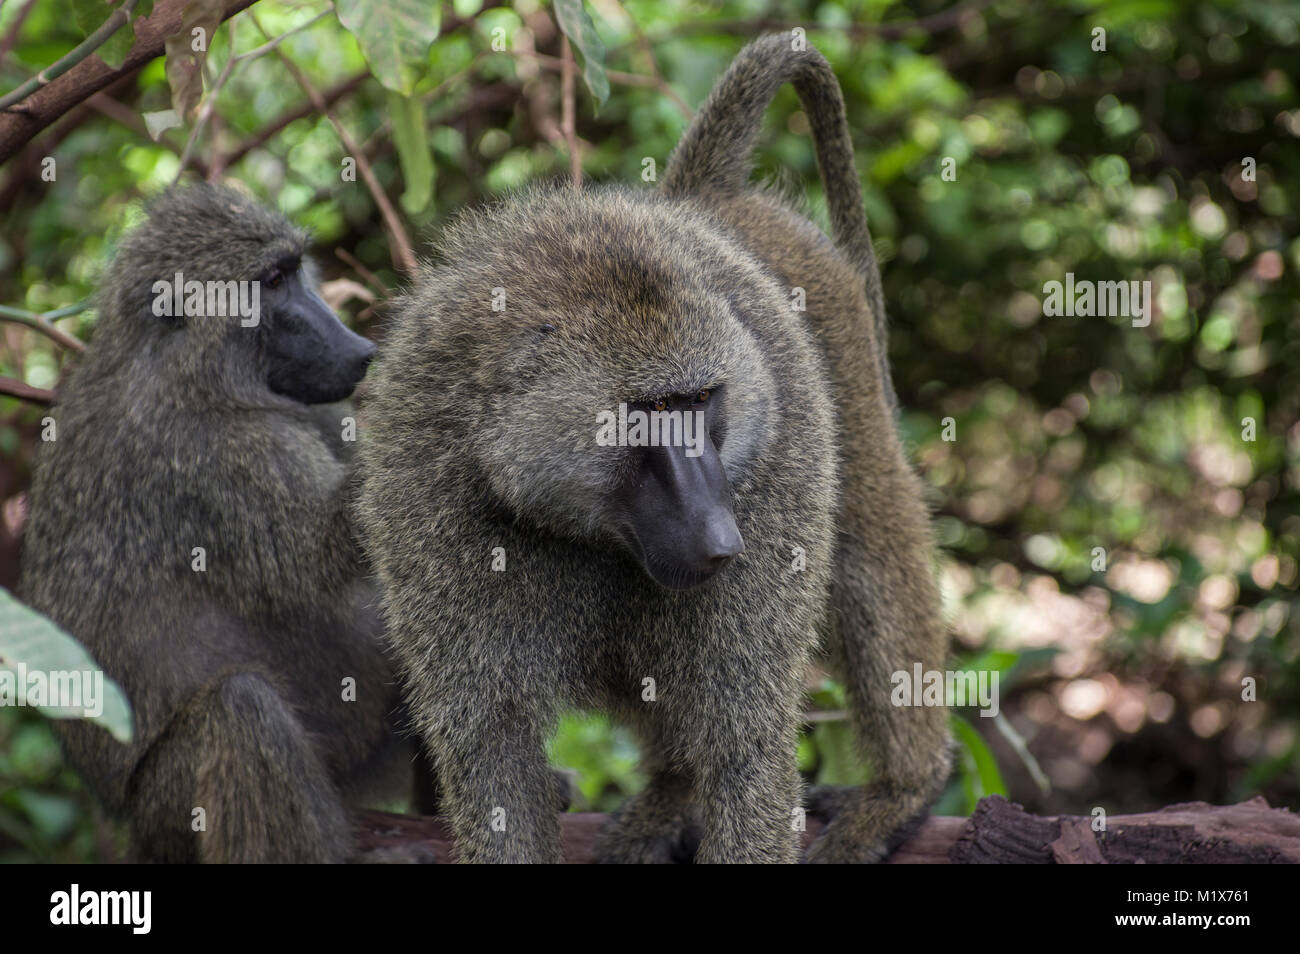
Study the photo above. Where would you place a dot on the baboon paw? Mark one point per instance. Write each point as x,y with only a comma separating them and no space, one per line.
674,847
832,848
862,827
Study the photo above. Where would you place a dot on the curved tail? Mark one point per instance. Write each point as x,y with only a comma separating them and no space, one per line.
714,155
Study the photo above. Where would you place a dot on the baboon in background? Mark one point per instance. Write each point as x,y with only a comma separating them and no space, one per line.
185,432
528,566
885,614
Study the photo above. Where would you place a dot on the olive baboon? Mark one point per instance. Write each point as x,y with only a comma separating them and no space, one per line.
189,524
529,562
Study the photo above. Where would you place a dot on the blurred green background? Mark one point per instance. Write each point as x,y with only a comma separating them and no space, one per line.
1118,542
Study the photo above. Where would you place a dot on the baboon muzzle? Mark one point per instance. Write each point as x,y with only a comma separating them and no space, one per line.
682,517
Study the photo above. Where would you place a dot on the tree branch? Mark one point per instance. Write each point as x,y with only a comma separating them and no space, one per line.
41,323
623,79
399,241
566,111
268,132
26,392
21,123
116,20
998,831
373,279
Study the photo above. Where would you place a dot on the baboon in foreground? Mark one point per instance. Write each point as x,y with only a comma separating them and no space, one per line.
189,524
530,562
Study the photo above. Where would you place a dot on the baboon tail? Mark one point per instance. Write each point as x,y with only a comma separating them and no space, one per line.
714,155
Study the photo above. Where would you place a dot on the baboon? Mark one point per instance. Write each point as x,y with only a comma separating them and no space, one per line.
529,563
190,525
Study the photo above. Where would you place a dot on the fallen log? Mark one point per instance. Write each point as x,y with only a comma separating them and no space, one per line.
998,832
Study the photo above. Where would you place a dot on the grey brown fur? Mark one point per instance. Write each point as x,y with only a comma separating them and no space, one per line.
483,436
714,155
168,438
885,614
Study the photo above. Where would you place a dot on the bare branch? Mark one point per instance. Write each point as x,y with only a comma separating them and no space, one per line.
268,132
20,389
20,124
625,79
355,263
233,60
566,111
399,241
42,323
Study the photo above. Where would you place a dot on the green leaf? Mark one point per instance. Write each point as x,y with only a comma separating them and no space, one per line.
411,138
159,122
980,775
394,35
37,655
577,26
187,51
89,16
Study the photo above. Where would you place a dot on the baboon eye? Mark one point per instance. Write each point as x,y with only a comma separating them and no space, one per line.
702,396
661,404
274,279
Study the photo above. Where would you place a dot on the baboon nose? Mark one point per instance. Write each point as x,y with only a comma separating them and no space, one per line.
361,360
722,541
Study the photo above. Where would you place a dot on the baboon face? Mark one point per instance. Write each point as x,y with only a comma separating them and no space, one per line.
217,280
311,356
632,432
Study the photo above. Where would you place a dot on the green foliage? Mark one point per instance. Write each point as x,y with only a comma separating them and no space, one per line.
89,15
604,756
395,35
978,769
31,645
406,113
829,752
577,26
45,812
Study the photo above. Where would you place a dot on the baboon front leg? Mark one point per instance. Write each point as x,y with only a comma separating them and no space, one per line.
426,796
749,787
499,792
235,775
